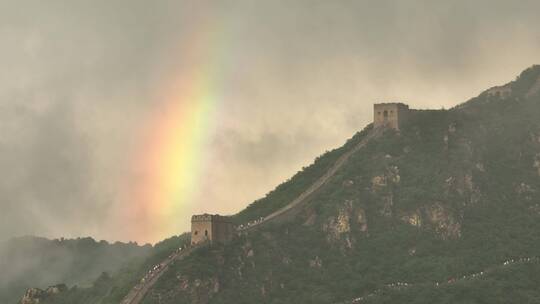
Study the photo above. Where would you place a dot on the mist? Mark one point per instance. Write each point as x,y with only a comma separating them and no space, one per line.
78,80
73,262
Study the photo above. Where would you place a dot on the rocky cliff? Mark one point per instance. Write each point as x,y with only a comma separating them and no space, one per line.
36,295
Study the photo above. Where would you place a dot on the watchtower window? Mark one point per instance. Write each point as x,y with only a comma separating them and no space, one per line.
385,114
196,232
206,233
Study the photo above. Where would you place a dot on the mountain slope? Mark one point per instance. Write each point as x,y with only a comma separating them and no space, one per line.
39,262
454,192
109,287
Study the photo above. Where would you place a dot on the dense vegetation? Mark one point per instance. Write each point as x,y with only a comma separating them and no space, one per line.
293,187
109,289
476,161
515,284
38,262
454,192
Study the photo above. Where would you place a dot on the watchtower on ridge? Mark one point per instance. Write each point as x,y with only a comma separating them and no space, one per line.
211,227
391,115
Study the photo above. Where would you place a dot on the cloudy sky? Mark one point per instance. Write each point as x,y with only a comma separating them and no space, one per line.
82,84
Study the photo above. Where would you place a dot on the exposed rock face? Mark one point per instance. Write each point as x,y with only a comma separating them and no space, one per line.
315,263
414,218
382,186
391,176
362,219
343,224
33,296
339,227
537,163
378,182
444,222
335,226
36,295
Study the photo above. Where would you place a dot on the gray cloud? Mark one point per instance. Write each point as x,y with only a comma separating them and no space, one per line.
296,78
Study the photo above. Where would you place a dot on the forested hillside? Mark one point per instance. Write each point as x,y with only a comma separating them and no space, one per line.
453,193
39,262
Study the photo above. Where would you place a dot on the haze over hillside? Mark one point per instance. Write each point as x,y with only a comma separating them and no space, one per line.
320,151
37,262
445,209
93,111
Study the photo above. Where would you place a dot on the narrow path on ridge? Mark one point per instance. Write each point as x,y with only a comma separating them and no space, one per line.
138,292
302,198
471,276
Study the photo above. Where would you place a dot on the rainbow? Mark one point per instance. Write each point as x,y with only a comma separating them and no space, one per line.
173,155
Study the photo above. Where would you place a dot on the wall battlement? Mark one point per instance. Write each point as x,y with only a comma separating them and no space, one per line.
209,217
391,115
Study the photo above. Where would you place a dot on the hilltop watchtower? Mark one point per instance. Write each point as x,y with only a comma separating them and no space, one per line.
391,115
211,227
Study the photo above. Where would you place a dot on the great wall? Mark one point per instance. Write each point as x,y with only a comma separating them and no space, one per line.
386,115
137,293
437,284
304,196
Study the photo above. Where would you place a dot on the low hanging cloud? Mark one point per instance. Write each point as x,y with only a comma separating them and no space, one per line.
298,78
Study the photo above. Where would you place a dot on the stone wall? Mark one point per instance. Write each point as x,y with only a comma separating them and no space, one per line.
223,231
208,227
201,231
392,115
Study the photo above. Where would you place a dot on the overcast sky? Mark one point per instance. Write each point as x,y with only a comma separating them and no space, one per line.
77,78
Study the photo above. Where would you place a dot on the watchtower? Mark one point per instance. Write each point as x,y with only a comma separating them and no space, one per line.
213,228
391,115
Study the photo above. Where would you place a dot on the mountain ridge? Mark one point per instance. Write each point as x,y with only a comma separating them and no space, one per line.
453,192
